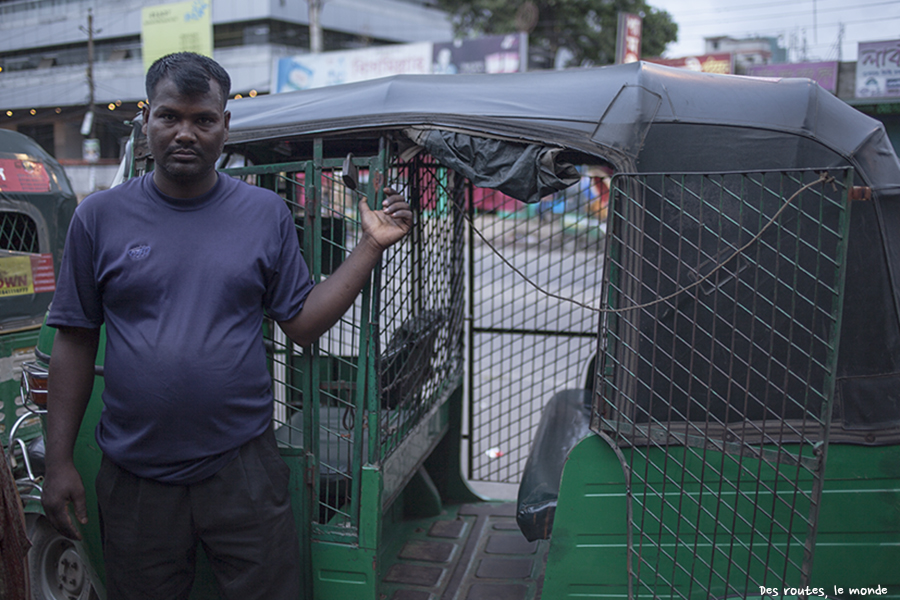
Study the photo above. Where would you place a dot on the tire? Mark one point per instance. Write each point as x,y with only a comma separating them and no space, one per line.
57,571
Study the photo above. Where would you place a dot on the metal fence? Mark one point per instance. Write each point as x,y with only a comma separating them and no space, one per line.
535,276
717,372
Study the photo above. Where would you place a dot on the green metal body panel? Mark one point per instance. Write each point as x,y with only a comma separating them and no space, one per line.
589,546
858,545
351,570
342,571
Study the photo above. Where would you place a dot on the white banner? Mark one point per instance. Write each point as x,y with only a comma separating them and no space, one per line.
878,69
305,71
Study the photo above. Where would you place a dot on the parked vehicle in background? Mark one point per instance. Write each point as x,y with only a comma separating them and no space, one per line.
738,315
36,205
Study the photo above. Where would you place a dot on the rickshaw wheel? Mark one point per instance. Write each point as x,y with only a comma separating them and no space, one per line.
57,570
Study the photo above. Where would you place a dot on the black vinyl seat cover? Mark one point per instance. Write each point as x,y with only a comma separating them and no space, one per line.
565,421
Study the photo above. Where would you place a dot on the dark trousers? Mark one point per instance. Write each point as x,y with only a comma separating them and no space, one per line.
242,517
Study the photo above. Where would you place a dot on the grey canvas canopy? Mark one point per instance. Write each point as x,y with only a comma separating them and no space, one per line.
516,132
640,117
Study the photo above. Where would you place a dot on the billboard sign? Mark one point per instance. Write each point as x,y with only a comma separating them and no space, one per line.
705,63
306,71
178,27
878,69
490,54
824,73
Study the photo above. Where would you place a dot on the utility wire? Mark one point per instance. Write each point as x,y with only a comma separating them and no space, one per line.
823,178
757,6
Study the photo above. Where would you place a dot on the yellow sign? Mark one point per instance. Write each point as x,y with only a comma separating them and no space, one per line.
179,27
15,276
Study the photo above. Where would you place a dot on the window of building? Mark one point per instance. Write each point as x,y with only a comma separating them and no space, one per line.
42,133
71,54
293,35
111,131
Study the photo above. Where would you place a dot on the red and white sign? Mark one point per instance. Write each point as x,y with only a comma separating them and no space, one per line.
628,39
42,273
23,175
706,63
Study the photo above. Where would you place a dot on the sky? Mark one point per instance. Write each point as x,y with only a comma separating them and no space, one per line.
809,29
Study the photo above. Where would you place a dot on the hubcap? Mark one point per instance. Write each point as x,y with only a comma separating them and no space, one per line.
70,573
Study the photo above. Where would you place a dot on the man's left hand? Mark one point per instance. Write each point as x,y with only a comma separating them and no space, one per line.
387,226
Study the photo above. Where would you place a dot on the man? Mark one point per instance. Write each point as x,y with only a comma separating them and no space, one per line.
180,265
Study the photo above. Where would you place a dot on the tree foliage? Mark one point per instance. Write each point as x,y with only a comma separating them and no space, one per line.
584,29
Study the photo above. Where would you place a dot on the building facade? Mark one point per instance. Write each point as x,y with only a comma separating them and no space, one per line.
44,89
747,51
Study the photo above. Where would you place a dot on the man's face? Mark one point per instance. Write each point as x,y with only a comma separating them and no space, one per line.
186,135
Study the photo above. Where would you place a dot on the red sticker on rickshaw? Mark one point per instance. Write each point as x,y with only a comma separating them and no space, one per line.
23,175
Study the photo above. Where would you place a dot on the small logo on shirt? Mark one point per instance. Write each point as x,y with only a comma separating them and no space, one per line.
139,252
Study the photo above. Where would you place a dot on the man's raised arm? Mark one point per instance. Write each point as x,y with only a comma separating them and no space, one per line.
330,299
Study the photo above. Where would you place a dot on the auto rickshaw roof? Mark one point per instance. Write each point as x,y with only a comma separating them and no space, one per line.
640,117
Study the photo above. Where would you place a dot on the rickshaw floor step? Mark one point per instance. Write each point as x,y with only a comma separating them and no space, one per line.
428,551
468,552
447,529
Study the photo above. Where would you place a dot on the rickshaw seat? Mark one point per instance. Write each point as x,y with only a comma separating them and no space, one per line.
565,421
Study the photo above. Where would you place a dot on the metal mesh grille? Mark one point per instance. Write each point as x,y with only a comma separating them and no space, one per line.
527,345
318,392
327,379
18,232
717,375
397,353
419,357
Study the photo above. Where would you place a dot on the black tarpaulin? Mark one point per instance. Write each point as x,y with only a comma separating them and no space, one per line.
525,172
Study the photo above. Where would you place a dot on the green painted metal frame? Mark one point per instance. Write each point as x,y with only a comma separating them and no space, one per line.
856,544
312,362
341,542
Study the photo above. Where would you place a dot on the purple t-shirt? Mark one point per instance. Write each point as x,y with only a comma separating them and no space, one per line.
182,286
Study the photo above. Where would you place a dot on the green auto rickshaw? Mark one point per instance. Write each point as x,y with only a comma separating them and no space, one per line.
643,340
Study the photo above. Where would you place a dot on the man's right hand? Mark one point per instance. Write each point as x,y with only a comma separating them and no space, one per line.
62,486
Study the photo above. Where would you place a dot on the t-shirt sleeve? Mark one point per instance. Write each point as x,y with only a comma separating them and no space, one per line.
289,283
77,300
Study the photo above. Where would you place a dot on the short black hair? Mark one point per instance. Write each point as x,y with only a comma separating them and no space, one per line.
190,72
